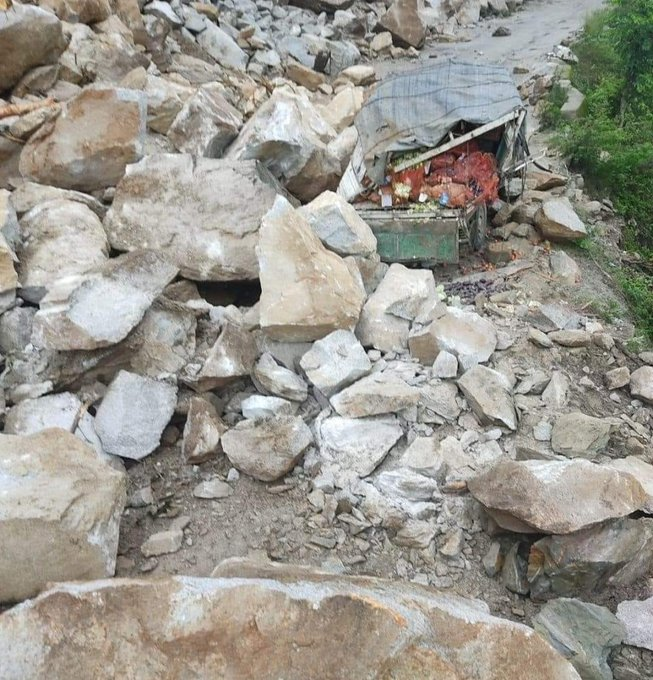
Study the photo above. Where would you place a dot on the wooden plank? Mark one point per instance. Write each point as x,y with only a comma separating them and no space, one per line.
459,140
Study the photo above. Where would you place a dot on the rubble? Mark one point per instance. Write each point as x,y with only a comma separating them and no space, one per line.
56,491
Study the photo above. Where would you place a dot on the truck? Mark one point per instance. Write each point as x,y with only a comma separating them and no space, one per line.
436,146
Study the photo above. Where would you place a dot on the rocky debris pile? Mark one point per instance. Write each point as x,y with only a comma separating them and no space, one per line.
323,610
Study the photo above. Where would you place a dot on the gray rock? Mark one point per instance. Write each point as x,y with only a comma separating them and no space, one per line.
572,107
335,362
642,472
417,534
490,395
410,630
60,238
553,317
164,11
641,383
29,36
257,406
445,365
440,397
515,566
30,195
88,146
133,415
558,221
274,379
202,431
55,490
403,22
439,459
267,449
407,485
636,616
212,489
564,268
385,319
100,307
165,99
614,553
358,444
290,138
617,378
466,335
307,291
538,496
169,201
578,435
575,338
537,337
162,543
555,393
583,633
373,395
206,124
221,47
338,225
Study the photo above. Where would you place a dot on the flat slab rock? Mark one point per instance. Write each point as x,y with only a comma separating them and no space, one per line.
580,435
161,626
557,221
375,395
267,449
490,395
60,510
537,496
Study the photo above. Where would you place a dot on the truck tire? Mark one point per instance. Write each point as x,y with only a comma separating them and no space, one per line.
478,228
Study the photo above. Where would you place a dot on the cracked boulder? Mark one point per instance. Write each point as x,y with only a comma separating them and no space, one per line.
88,146
538,496
60,509
162,626
306,290
203,214
288,135
100,307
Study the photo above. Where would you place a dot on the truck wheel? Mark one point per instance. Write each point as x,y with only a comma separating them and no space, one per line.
478,228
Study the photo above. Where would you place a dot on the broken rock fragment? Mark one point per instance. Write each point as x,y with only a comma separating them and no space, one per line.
636,616
306,291
29,36
133,415
489,393
203,214
375,395
557,221
385,319
60,509
87,147
335,362
641,384
578,435
410,632
404,23
99,308
267,449
270,377
537,496
291,139
202,431
60,238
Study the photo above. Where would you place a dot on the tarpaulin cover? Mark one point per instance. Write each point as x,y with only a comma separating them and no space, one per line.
418,108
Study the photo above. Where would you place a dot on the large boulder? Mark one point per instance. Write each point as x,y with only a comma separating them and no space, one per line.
267,449
60,509
100,308
335,362
614,553
60,238
87,147
403,21
466,335
165,99
489,394
204,214
338,225
387,314
557,221
641,384
542,496
29,36
290,138
202,627
206,124
133,414
306,290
